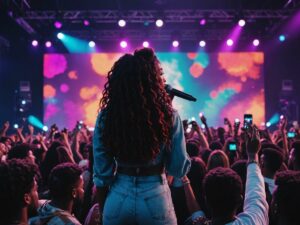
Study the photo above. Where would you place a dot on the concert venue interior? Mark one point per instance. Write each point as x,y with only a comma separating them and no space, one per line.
235,57
230,68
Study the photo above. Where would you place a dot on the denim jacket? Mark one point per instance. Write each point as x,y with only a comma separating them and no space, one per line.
176,161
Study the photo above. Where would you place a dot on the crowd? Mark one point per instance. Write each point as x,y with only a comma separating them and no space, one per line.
47,178
143,165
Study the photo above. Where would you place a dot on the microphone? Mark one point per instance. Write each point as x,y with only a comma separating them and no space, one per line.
180,94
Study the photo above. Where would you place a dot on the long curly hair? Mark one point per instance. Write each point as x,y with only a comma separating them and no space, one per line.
137,113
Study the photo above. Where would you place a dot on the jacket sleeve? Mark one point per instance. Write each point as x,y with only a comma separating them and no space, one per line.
104,163
178,162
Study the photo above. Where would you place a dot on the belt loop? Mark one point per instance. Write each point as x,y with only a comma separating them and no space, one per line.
134,180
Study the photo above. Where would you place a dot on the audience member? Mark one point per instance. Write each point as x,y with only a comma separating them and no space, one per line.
66,187
270,162
18,191
217,159
286,198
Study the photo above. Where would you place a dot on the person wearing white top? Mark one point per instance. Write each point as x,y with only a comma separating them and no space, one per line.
223,202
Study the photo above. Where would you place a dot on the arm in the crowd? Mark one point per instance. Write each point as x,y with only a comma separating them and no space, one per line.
282,127
4,129
75,147
208,132
190,198
65,141
30,137
40,139
255,205
101,194
20,135
230,130
178,162
201,136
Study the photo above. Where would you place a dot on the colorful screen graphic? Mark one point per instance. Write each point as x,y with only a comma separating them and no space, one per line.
225,85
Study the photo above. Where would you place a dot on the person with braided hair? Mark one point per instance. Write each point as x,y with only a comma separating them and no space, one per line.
138,137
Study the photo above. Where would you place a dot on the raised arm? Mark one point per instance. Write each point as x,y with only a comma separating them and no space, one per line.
255,204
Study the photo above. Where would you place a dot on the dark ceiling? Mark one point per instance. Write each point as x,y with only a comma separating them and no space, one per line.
12,27
157,4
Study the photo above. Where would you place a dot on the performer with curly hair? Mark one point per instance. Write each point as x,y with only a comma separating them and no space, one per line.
138,137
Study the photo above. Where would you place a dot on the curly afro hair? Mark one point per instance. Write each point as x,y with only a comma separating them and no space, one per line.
17,178
287,195
223,189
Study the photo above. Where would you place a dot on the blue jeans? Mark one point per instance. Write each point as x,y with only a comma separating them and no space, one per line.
139,200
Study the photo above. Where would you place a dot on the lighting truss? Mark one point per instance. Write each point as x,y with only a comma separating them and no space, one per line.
171,16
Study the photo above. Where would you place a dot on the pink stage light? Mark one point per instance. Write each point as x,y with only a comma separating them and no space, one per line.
86,23
256,42
229,42
35,43
48,44
122,23
242,23
123,44
175,44
159,23
145,44
202,22
58,24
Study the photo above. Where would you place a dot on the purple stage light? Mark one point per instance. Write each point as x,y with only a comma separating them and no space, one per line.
86,23
229,42
145,44
175,44
256,42
35,43
202,44
202,22
159,23
122,23
123,44
48,44
242,23
58,24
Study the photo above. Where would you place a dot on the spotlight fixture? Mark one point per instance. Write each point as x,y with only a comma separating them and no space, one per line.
45,128
159,23
122,23
256,42
229,42
123,44
60,35
48,44
145,44
58,24
86,23
282,38
202,22
202,44
242,22
92,44
175,43
35,43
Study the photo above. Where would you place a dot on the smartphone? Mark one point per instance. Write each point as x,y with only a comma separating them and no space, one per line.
248,120
232,146
291,134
